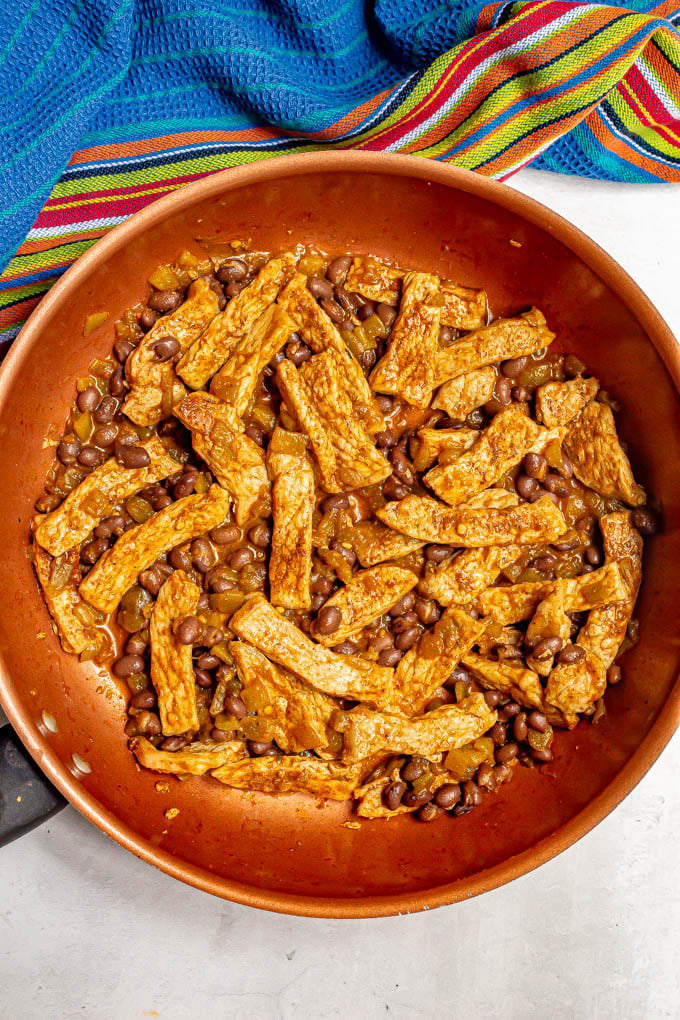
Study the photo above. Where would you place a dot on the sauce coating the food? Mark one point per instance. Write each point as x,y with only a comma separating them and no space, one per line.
377,544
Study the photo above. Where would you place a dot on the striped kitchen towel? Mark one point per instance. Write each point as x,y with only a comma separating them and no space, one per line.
109,104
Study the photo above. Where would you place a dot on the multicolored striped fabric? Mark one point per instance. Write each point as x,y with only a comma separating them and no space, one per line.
109,104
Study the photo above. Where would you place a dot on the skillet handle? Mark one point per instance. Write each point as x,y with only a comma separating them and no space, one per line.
27,797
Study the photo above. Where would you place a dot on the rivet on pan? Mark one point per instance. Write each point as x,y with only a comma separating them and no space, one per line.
49,721
80,762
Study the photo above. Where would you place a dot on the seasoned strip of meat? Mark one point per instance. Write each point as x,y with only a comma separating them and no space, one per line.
502,340
374,543
374,280
500,447
236,460
299,716
97,494
138,548
521,684
228,328
516,602
549,620
443,729
407,368
359,462
73,619
558,402
193,760
154,387
467,575
343,676
446,444
172,669
430,521
429,664
292,774
237,380
344,452
605,628
298,400
317,330
574,687
493,499
597,456
368,595
465,393
463,307
293,497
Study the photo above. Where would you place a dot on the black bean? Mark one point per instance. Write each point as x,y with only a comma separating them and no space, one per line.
233,289
91,552
541,756
427,610
202,677
345,648
502,390
385,403
437,553
144,700
506,753
257,434
537,721
404,605
390,657
546,648
260,535
164,300
365,311
645,520
392,489
493,698
414,799
166,348
387,439
225,534
219,582
520,394
472,795
128,665
407,638
535,465
232,271
88,399
514,366
519,727
90,456
445,336
344,550
208,661
180,560
386,314
338,268
297,352
333,310
122,349
447,796
174,743
149,723
241,557
133,456
188,630
392,795
328,620
117,384
147,319
106,410
614,675
203,555
319,288
498,733
509,711
105,435
556,484
259,748
68,450
186,484
526,486
428,813
401,467
151,580
544,563
211,636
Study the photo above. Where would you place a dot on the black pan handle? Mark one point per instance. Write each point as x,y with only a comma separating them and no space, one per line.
27,797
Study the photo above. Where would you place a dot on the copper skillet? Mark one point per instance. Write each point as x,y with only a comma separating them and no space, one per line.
289,854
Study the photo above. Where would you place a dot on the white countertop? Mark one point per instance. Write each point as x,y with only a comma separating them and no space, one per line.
87,930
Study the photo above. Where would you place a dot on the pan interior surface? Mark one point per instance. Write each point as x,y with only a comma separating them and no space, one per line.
291,852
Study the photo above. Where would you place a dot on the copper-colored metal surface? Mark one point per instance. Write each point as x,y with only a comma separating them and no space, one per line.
290,853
